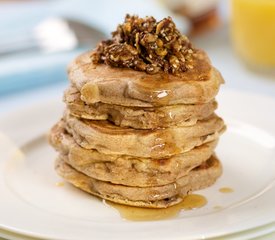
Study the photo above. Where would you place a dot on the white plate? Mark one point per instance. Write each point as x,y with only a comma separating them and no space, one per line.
32,204
258,233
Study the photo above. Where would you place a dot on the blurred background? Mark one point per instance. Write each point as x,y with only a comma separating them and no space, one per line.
38,38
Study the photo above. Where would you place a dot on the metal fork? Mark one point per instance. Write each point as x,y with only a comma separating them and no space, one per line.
52,35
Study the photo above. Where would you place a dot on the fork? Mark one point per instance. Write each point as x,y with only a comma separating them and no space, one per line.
52,35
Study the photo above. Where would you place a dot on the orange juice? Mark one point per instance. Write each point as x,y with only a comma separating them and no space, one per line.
253,31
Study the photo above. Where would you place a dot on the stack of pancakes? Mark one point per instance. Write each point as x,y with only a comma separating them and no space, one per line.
139,139
139,127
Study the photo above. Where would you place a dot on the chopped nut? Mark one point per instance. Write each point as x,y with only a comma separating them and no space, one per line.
174,60
148,38
159,43
137,42
161,51
127,27
147,45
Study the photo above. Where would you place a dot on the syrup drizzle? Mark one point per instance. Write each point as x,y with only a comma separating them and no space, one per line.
192,201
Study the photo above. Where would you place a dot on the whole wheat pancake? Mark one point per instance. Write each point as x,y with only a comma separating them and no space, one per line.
139,126
127,170
127,87
152,197
136,117
159,143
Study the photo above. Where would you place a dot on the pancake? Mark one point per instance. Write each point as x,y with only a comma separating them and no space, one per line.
136,117
127,170
127,87
139,126
108,138
151,197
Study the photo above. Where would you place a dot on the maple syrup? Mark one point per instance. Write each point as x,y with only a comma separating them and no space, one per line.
192,201
59,184
226,190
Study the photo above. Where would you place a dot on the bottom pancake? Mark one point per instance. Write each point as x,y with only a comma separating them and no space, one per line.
151,197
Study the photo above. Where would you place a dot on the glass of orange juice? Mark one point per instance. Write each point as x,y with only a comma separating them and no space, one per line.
253,31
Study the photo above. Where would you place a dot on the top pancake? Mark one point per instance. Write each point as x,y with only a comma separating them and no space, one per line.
127,87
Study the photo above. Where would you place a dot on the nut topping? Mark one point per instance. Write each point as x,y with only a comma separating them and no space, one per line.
146,45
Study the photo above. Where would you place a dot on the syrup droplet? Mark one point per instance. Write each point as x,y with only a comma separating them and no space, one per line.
59,184
161,96
226,190
217,207
192,201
